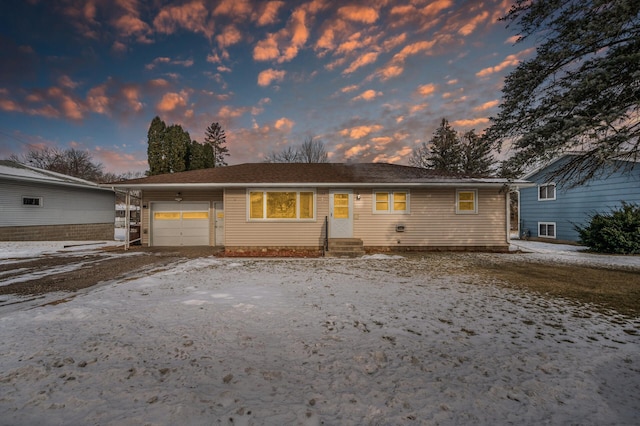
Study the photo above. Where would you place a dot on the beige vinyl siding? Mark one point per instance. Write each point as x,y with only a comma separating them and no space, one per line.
433,221
187,196
291,233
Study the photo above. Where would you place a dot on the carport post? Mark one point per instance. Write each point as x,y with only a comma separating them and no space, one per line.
127,225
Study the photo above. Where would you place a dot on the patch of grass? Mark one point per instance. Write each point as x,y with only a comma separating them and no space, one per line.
605,288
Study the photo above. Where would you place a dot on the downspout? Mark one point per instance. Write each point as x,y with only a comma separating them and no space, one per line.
508,211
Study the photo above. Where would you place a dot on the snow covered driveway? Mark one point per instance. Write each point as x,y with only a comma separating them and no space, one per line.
317,341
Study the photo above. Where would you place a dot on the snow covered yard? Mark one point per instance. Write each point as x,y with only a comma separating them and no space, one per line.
377,340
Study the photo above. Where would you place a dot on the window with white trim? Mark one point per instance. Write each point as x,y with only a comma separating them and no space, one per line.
32,201
547,192
547,229
466,201
280,204
391,202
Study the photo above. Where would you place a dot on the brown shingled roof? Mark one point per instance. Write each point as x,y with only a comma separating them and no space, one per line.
296,173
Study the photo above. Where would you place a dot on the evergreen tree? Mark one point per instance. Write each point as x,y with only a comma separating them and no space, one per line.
580,92
177,143
445,151
477,158
216,138
156,149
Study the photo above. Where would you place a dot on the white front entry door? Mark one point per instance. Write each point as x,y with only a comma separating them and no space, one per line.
219,223
340,213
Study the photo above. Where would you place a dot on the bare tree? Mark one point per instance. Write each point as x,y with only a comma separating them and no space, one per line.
70,162
311,151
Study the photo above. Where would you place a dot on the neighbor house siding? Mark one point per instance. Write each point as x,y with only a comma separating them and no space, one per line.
149,197
272,234
60,205
574,206
433,221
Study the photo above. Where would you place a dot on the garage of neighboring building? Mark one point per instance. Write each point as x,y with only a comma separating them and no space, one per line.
180,224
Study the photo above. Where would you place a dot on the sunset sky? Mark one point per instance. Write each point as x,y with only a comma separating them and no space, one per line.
371,79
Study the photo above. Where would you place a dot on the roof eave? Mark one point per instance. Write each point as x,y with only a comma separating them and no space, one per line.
56,182
459,183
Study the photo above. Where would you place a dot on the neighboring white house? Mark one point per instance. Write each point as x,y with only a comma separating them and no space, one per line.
39,205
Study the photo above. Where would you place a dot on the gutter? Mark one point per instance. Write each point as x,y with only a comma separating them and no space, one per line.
456,184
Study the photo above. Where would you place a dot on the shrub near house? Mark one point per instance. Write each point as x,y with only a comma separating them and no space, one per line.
615,232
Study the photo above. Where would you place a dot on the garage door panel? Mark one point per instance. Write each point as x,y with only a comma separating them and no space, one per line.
177,224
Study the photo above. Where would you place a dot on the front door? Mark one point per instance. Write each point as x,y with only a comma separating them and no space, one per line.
340,213
219,223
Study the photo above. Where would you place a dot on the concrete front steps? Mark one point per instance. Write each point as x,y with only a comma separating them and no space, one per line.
345,247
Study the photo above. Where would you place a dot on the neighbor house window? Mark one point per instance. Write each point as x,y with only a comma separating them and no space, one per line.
32,201
466,201
547,229
281,205
391,202
547,192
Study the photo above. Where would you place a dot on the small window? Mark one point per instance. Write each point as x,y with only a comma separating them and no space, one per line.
387,202
547,192
547,229
466,201
32,201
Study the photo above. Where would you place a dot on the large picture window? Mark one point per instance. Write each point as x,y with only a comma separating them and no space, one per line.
386,202
281,205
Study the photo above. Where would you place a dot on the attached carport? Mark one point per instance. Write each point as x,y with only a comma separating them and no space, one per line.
180,223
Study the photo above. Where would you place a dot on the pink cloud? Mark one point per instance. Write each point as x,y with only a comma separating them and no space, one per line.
348,89
270,75
128,25
234,8
267,49
426,89
413,49
361,61
390,71
66,82
97,99
487,105
192,16
170,101
356,150
227,112
470,122
471,25
267,13
367,95
284,124
229,36
359,132
361,14
284,45
509,61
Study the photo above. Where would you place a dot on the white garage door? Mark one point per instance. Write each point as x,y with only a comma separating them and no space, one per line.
180,224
